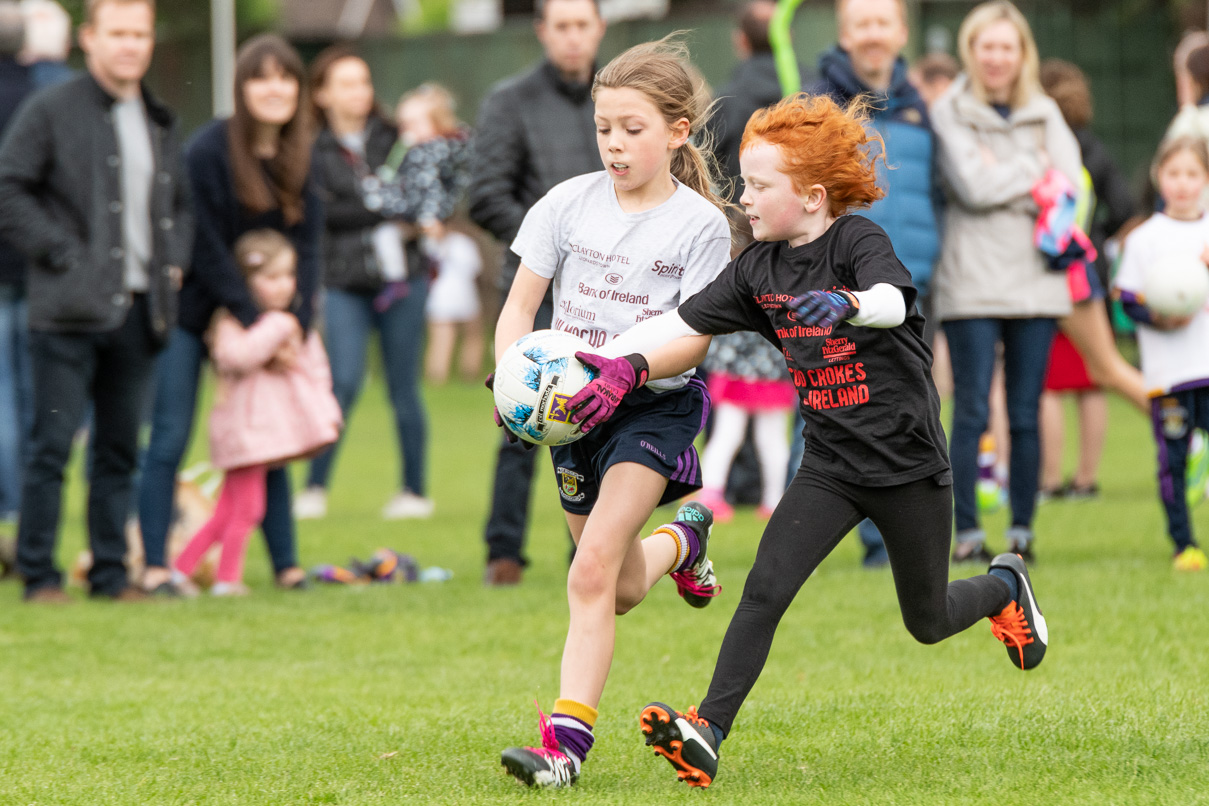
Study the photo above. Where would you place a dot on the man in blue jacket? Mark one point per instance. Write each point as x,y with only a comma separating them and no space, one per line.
868,62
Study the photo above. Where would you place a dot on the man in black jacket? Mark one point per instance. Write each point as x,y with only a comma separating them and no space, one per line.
15,396
534,130
92,189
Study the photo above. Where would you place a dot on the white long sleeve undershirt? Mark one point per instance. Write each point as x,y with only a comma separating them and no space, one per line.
882,306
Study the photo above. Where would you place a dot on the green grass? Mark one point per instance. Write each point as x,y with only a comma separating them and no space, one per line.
407,694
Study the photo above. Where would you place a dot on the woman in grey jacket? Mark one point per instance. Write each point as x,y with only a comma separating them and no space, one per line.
997,135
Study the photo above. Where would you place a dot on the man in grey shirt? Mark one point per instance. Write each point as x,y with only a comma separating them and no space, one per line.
93,190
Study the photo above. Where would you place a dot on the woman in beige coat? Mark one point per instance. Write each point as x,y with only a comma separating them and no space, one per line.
997,135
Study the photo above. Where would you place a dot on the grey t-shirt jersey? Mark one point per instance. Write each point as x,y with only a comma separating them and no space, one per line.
612,269
138,172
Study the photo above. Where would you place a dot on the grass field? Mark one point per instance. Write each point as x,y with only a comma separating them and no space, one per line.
407,694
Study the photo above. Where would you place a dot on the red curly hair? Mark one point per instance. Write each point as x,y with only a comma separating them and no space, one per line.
822,144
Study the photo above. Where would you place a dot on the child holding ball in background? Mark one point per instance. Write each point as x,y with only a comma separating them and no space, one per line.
620,246
825,287
267,411
1175,350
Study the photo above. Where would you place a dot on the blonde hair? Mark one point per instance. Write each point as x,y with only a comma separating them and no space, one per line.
440,102
1028,83
661,71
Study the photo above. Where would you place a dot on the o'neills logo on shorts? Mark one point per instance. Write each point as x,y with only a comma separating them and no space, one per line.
667,269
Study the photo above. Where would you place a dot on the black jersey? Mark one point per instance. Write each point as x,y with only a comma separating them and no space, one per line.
872,412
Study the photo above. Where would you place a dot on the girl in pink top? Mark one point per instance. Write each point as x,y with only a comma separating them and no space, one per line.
274,404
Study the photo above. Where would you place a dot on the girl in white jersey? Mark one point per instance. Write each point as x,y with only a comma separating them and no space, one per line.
621,246
1175,352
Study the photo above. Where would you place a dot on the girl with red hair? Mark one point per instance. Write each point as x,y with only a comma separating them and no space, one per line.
827,290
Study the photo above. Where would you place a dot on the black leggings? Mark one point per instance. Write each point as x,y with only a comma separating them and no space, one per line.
813,516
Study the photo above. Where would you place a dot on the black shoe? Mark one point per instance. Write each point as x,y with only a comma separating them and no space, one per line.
540,766
685,740
1072,492
968,553
697,583
1020,541
1021,625
1024,552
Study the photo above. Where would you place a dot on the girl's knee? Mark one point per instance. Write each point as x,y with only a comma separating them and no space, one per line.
627,601
925,629
588,579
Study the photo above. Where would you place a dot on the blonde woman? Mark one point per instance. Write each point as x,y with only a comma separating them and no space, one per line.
997,135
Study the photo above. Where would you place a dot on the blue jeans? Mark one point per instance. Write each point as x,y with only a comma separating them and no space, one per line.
111,370
1026,345
176,378
16,396
348,319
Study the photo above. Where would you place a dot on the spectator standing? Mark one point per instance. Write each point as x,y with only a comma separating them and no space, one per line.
372,279
753,85
454,309
47,41
867,63
933,74
16,393
106,257
247,172
535,130
998,134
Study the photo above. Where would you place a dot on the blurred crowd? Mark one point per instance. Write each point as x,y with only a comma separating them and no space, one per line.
276,243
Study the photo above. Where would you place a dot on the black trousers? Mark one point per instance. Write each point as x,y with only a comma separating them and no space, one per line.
510,492
814,515
69,370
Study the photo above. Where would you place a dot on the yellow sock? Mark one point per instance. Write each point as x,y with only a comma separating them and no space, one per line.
585,713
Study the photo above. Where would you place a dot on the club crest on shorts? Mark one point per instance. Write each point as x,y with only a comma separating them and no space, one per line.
558,412
568,484
1173,418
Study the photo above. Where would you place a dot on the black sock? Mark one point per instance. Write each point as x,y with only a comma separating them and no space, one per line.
1010,578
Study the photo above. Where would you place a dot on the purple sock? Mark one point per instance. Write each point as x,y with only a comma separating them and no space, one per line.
694,543
573,734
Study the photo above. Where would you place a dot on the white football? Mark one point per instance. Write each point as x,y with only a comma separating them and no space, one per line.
534,380
1176,285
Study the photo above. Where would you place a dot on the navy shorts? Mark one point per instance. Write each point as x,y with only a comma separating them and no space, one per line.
653,429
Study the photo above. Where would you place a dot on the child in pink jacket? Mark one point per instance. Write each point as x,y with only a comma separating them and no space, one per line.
274,404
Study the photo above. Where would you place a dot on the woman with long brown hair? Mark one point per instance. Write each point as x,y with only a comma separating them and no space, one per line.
372,279
247,172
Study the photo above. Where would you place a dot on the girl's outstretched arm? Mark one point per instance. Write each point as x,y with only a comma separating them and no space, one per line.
667,342
516,318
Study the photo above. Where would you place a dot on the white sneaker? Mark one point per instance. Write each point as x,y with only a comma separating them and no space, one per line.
227,589
407,505
310,504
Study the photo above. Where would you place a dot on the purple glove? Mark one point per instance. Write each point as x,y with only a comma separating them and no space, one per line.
615,378
824,308
499,422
